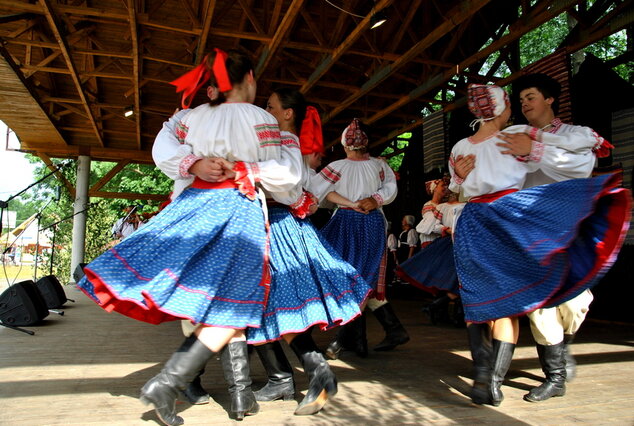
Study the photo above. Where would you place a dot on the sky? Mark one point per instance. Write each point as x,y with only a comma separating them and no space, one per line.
16,173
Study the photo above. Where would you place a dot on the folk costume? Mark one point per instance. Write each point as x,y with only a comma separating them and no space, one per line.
361,238
433,269
513,255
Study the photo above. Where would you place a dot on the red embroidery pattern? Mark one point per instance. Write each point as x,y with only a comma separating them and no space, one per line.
330,174
382,175
181,132
290,142
378,198
268,135
185,165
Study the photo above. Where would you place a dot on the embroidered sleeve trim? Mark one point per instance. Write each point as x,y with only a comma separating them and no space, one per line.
301,208
457,179
254,169
378,198
185,164
245,186
330,175
602,147
536,154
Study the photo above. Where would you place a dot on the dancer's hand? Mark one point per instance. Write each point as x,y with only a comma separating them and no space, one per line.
463,165
208,169
518,144
368,204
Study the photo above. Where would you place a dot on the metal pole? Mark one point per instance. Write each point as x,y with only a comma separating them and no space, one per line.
79,211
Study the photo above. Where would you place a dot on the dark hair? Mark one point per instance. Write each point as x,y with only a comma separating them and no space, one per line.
238,66
294,99
547,86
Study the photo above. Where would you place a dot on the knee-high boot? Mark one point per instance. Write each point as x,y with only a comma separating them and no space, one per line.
395,333
571,364
554,366
502,357
481,348
163,389
195,393
322,381
351,337
235,365
279,372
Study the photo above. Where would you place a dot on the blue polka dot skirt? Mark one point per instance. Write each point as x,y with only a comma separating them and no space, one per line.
538,247
202,258
432,269
310,283
359,239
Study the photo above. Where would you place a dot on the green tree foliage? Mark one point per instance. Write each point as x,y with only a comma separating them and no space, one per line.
57,215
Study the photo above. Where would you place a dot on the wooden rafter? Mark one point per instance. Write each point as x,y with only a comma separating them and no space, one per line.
332,58
272,48
47,160
136,69
52,21
202,41
458,14
525,23
108,176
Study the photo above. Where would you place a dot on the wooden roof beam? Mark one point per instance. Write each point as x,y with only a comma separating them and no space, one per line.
334,57
271,50
52,21
405,24
210,6
108,176
136,70
47,160
457,15
523,25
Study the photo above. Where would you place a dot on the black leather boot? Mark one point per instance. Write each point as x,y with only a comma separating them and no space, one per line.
322,381
571,364
554,366
395,333
350,337
481,349
163,389
502,357
235,365
437,309
195,393
279,372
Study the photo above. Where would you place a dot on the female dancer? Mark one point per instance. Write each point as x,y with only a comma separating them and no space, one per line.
433,268
310,284
513,255
203,257
360,185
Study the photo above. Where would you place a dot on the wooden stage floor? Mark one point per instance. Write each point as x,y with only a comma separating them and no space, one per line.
87,366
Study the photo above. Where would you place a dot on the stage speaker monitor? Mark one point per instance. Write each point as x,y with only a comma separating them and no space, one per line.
52,291
78,273
22,304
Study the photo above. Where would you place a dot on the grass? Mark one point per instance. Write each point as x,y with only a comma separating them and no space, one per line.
10,274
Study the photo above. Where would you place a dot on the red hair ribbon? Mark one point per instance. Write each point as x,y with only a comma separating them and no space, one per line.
190,82
220,71
311,140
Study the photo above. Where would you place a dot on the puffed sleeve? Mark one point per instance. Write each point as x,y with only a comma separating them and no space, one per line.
387,191
170,155
566,155
412,238
392,244
281,177
431,222
325,182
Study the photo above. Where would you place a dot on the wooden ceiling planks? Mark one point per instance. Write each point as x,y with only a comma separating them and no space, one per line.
77,65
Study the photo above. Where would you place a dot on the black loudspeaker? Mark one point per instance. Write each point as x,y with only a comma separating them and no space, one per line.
22,304
78,273
52,291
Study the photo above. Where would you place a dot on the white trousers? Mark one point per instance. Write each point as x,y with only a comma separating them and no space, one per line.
549,325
